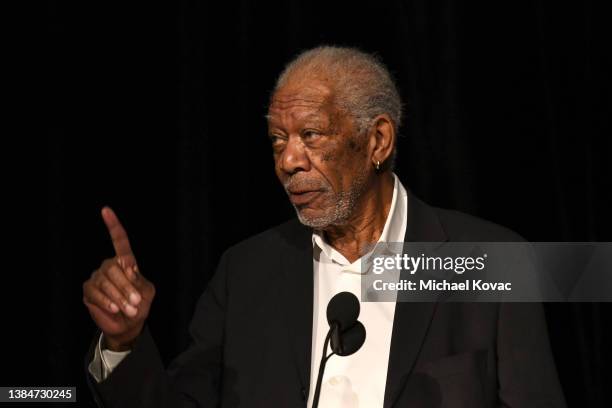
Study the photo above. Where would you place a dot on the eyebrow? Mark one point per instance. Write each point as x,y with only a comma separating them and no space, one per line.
310,116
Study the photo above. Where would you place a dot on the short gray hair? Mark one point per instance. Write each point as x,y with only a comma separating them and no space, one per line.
363,86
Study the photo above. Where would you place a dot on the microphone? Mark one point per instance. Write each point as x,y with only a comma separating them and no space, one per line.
346,333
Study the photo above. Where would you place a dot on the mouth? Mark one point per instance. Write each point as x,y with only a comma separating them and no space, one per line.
303,197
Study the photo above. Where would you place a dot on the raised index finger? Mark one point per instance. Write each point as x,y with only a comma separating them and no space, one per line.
118,234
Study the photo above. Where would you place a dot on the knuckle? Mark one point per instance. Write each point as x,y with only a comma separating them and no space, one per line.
126,289
93,299
104,300
108,271
108,288
113,272
95,281
106,263
117,276
103,284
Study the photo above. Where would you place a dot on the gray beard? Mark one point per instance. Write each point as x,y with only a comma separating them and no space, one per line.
343,208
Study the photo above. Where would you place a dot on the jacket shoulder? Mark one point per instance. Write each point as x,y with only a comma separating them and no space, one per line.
263,253
281,237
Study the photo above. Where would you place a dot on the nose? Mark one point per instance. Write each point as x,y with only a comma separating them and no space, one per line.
294,157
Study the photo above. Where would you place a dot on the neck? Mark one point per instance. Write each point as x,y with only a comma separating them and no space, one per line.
367,222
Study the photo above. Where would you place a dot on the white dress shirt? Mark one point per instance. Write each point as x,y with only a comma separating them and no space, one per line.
353,381
357,380
105,361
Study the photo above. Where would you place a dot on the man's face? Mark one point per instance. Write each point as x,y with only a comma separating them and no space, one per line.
320,160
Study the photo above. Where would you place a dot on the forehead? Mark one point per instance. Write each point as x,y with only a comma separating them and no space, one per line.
300,101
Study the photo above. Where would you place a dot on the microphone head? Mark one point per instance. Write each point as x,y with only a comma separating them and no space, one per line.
351,340
343,310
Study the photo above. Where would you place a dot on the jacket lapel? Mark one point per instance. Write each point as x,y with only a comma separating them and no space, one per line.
411,320
298,289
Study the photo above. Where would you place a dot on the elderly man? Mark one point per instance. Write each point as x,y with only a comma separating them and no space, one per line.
258,329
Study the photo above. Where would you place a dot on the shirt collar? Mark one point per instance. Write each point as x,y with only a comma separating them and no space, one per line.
393,231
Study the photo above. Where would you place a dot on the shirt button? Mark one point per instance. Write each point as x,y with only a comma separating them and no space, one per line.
333,381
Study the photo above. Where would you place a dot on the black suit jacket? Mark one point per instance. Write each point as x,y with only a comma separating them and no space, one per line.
252,328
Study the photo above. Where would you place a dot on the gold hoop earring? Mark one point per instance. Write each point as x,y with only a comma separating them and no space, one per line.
377,165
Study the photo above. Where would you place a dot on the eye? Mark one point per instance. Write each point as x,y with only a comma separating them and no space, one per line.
310,134
275,139
278,143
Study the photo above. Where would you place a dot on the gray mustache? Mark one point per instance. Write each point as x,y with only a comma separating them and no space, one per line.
304,184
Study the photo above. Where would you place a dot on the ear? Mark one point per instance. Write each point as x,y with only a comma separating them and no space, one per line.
382,139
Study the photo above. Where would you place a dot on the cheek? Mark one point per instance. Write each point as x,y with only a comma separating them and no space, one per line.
337,162
326,162
354,146
331,153
329,156
346,156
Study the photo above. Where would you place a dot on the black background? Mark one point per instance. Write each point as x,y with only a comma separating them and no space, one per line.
157,110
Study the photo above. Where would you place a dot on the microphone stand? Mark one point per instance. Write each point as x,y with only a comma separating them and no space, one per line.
335,331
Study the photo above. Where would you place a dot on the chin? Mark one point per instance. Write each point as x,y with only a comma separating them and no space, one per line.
313,218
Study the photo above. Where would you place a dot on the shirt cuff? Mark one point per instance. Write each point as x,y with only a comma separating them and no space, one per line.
105,361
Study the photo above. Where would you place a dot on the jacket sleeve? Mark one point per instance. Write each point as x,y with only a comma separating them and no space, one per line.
192,379
526,369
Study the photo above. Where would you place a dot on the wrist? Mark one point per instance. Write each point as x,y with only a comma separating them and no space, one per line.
113,343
